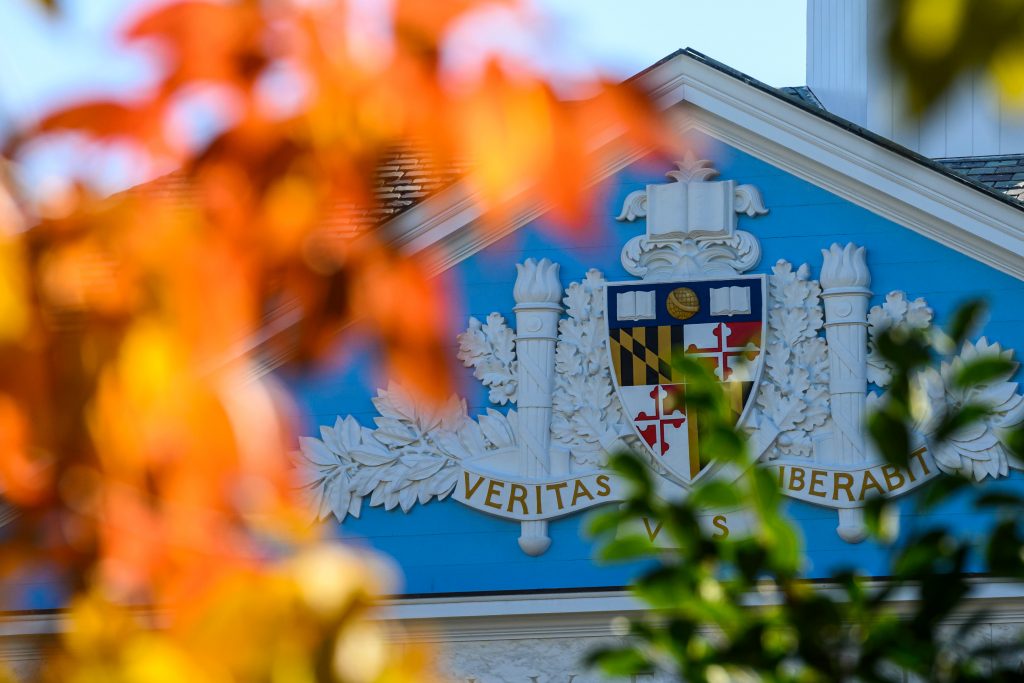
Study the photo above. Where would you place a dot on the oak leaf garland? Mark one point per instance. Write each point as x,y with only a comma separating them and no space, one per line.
896,310
794,387
489,348
587,418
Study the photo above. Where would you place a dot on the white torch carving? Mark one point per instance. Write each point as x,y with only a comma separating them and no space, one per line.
538,295
845,280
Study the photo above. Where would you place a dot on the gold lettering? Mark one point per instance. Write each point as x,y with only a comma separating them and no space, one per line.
919,454
721,523
557,488
842,482
517,494
494,488
540,500
817,481
891,472
470,490
603,489
579,489
796,483
782,476
864,485
652,534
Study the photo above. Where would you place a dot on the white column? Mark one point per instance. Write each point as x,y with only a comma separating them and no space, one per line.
844,280
538,295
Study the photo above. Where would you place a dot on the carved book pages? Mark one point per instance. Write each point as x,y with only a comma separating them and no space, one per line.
730,300
666,211
710,211
635,306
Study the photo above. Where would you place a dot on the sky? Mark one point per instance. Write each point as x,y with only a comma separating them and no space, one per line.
45,63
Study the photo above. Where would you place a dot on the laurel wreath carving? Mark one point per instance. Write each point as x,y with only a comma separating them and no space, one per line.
897,310
411,457
978,451
587,418
489,348
793,393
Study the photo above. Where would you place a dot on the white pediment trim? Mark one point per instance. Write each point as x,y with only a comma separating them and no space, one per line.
811,147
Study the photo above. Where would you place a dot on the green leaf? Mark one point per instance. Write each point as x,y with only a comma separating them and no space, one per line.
716,494
1003,551
624,661
940,490
629,466
604,521
906,349
767,497
965,319
666,587
881,517
723,444
783,545
999,499
1014,441
892,437
983,370
953,422
628,547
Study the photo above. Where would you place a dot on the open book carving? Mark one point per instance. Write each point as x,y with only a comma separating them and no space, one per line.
635,306
730,300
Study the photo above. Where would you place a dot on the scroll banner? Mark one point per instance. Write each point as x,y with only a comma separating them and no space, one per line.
832,487
526,500
838,487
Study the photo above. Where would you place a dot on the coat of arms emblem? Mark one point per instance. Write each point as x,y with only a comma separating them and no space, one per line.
588,371
719,323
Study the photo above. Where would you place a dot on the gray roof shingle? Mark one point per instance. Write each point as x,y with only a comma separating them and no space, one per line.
1004,172
804,94
405,177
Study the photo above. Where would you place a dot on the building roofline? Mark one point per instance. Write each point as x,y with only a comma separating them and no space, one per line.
836,155
845,124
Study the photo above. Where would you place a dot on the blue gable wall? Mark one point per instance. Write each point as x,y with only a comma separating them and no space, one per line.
448,548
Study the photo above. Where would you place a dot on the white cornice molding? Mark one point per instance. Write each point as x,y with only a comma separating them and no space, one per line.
552,615
44,624
776,131
519,605
530,616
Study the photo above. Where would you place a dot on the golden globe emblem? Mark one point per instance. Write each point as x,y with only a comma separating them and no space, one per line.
682,303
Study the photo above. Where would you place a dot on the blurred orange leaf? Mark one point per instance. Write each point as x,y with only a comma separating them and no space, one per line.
206,41
137,416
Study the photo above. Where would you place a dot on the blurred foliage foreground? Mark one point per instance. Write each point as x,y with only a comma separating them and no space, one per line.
142,439
143,444
736,609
